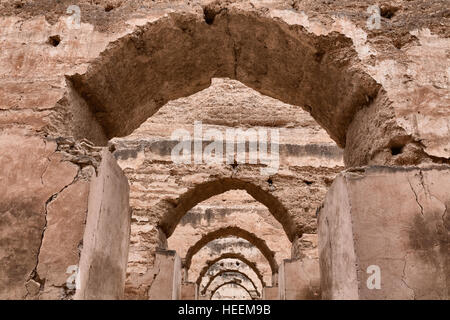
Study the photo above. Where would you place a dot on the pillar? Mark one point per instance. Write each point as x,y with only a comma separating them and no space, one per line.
384,234
104,256
188,291
270,293
299,279
167,276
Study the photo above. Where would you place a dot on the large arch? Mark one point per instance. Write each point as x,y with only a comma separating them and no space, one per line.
228,283
237,232
177,55
230,255
200,192
227,271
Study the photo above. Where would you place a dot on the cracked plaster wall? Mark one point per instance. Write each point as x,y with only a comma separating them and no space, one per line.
403,228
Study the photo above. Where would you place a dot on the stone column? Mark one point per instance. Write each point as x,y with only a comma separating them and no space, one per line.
184,272
188,291
106,237
275,279
166,283
384,234
270,293
299,279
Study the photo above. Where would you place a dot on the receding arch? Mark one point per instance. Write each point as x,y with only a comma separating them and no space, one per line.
230,255
228,283
237,232
178,54
173,212
226,271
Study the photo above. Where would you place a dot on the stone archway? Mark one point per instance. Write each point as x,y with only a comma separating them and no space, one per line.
173,213
268,82
236,256
227,271
41,112
237,232
283,199
178,55
319,74
230,283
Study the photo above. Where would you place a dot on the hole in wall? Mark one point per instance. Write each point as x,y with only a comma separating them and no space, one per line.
395,150
388,11
397,144
209,15
328,181
210,12
54,40
319,55
109,7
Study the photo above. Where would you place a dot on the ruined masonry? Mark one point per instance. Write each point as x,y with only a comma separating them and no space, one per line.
115,114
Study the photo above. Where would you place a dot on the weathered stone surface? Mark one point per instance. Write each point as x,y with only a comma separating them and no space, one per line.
32,176
231,214
150,144
230,261
270,293
188,291
409,61
305,246
63,239
103,261
382,93
402,228
247,40
223,278
299,279
230,246
232,290
166,284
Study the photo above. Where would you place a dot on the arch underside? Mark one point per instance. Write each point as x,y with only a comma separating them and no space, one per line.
237,232
230,283
226,272
173,213
177,56
230,255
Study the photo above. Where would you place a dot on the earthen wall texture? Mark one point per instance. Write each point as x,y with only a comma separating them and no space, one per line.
68,88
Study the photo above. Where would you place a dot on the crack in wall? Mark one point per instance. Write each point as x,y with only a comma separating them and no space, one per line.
444,214
94,238
416,197
48,163
155,275
18,110
403,279
34,274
